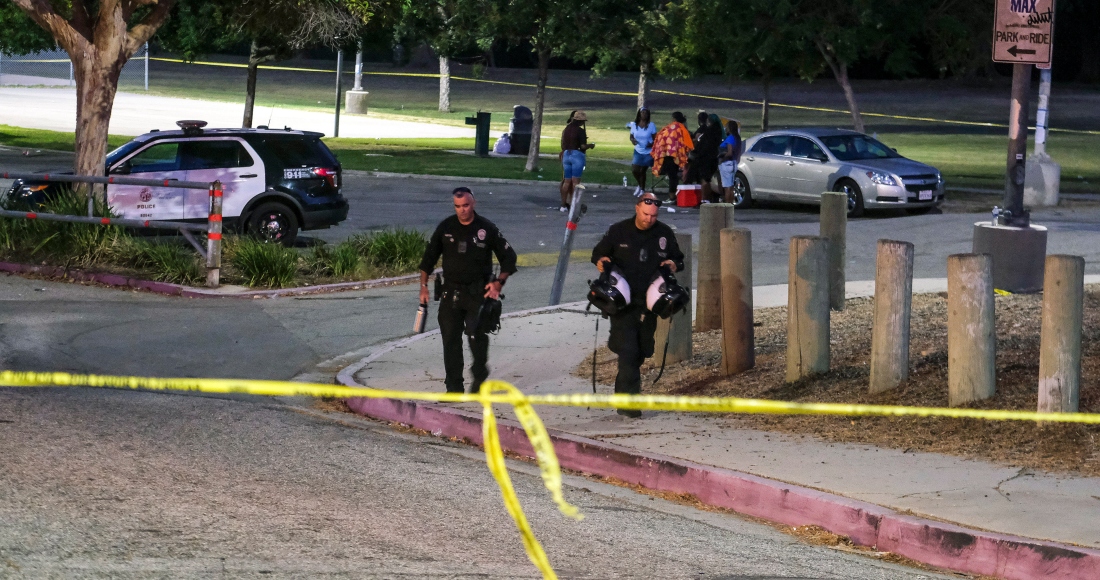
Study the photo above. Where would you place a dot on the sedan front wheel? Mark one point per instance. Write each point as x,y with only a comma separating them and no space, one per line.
855,196
742,195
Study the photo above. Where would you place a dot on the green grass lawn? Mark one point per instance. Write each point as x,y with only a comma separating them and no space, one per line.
968,156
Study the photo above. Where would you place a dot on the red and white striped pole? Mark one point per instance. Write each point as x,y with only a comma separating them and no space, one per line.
214,236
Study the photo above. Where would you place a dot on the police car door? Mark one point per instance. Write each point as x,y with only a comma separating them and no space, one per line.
227,159
159,160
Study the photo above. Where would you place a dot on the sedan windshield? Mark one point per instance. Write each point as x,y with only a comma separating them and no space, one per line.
856,147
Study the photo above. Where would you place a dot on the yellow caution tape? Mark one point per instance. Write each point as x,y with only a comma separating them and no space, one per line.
626,94
500,392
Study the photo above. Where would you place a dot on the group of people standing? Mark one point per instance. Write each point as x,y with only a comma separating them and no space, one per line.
680,155
684,156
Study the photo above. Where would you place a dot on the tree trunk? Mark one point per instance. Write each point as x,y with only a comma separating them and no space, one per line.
840,71
643,83
96,84
444,84
250,87
765,106
540,98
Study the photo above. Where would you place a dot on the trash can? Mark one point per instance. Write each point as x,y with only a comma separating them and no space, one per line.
520,129
481,135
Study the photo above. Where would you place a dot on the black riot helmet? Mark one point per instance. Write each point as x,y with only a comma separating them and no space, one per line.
665,295
609,293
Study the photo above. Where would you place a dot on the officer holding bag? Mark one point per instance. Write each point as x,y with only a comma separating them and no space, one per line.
469,295
635,251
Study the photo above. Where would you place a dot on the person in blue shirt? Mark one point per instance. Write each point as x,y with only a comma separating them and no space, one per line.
729,155
642,131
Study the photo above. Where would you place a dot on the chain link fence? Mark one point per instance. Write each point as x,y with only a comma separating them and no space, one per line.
52,68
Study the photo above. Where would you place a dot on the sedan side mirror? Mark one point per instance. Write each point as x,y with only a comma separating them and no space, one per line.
123,169
822,158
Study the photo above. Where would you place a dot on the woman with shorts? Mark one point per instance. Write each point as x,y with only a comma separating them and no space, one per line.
574,142
729,155
641,136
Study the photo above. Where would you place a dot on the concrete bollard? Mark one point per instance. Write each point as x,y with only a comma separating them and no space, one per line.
713,218
738,336
808,307
834,227
893,304
676,330
971,336
1060,345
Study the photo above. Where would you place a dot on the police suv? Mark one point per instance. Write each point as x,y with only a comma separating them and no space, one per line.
275,181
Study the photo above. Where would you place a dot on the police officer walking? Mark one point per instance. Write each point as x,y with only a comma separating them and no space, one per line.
637,247
467,243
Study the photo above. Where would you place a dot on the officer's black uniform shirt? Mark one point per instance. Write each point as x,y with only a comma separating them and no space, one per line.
468,251
638,253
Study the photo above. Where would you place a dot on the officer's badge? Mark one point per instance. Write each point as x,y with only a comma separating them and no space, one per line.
481,235
662,242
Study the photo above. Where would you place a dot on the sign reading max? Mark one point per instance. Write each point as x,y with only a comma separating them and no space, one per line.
1022,31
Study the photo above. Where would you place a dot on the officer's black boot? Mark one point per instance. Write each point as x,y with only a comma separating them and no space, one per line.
628,381
479,346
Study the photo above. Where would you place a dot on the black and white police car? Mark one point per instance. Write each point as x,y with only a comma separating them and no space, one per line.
275,181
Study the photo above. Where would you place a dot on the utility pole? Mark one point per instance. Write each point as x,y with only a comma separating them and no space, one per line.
1017,249
1014,212
339,88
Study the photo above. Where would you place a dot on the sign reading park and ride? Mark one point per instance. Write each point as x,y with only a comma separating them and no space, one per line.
1022,31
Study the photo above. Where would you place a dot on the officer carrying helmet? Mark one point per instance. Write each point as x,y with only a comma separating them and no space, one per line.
469,294
638,248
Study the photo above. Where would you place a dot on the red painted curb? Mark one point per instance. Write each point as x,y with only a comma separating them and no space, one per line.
190,291
931,542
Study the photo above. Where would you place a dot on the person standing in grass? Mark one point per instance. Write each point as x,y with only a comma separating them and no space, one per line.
729,155
671,146
574,143
703,161
467,243
642,132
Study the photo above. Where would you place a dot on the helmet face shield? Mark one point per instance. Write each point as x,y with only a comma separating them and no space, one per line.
609,293
665,296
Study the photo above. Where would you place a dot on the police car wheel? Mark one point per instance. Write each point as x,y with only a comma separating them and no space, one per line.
275,223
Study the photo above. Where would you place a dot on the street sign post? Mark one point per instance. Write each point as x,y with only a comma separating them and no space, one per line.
1022,31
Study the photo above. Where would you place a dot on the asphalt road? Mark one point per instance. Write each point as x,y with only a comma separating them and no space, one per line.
112,484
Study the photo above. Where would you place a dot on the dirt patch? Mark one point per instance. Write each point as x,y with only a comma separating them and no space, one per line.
1061,448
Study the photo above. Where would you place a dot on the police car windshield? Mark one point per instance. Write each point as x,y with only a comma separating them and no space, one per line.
116,155
857,147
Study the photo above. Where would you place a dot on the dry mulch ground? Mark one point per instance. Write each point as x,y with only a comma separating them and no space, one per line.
1062,448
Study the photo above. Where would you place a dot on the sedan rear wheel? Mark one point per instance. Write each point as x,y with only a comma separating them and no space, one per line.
855,196
742,195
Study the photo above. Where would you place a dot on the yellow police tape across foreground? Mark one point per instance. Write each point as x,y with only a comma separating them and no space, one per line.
500,392
626,94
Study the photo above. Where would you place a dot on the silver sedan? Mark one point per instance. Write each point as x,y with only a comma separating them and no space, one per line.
797,165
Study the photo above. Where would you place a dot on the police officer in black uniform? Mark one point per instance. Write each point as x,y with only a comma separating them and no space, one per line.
637,246
467,243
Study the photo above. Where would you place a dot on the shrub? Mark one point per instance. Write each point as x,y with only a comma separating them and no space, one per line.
398,250
263,264
75,244
169,262
340,261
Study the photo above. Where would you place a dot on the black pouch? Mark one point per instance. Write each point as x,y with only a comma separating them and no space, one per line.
438,287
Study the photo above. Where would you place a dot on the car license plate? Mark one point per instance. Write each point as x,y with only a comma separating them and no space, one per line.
925,195
297,173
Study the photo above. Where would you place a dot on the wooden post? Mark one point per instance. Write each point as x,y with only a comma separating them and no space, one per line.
971,336
713,218
808,307
676,330
1060,346
834,227
893,304
738,336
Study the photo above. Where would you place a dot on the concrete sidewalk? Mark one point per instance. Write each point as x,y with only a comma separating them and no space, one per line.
536,352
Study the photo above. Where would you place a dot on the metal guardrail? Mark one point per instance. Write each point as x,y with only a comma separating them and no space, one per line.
213,227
